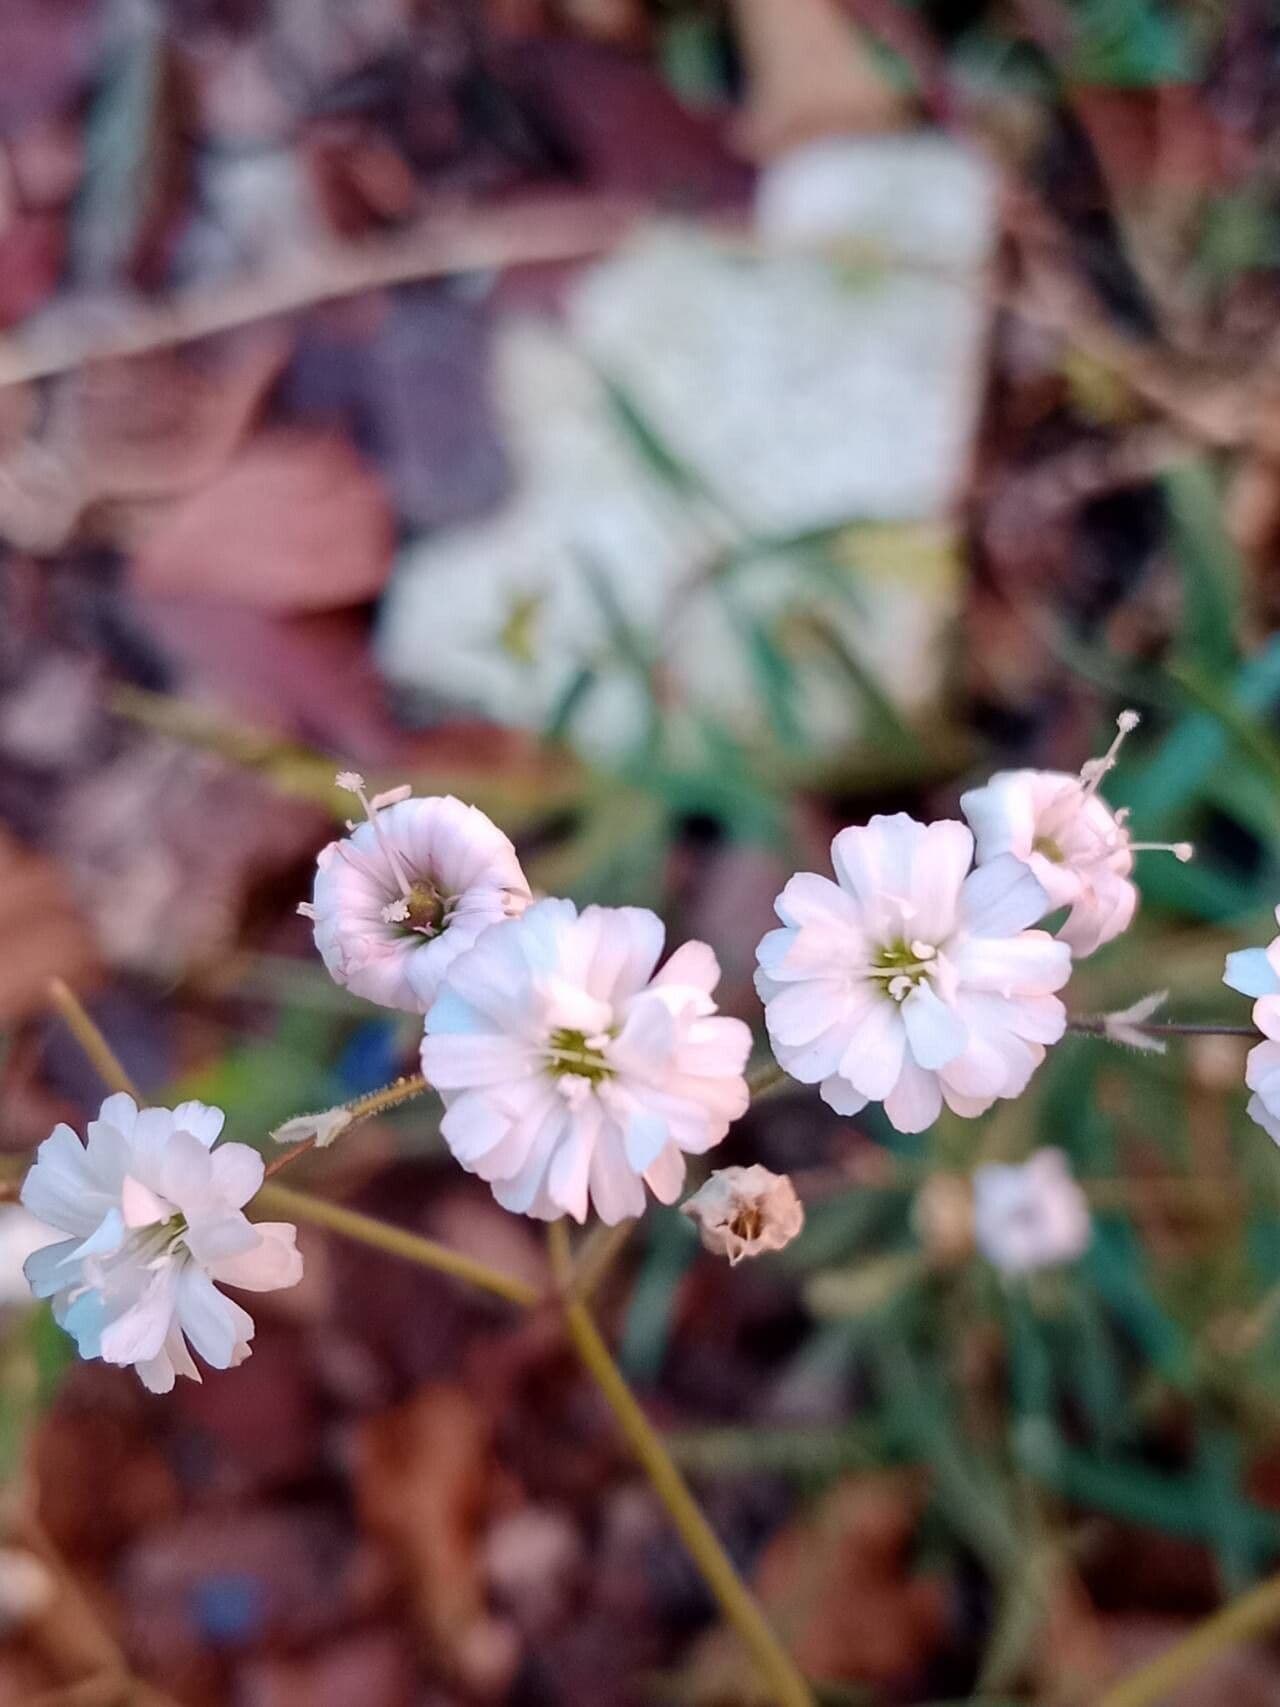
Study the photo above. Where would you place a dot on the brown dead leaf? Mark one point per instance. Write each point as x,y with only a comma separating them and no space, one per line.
143,427
160,424
295,522
423,1473
370,1666
43,933
810,72
168,849
839,1585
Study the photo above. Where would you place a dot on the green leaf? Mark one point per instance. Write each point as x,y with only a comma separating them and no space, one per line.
1210,566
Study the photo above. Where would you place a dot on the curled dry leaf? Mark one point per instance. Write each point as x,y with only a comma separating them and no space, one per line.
295,522
145,427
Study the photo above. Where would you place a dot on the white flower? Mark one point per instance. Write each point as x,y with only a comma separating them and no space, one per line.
743,1211
570,1069
1030,1216
154,1215
1074,845
912,980
408,891
1256,972
20,1234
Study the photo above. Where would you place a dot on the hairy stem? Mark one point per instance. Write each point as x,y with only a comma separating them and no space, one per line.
1251,1615
736,1601
1099,1025
362,1108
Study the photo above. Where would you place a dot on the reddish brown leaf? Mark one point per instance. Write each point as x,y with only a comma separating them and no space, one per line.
296,522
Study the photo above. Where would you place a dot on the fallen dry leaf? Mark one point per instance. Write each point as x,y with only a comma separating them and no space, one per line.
423,1478
295,522
809,73
164,423
840,1587
42,930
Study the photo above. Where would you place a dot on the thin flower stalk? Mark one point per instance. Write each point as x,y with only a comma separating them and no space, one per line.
1250,1616
736,1601
396,1242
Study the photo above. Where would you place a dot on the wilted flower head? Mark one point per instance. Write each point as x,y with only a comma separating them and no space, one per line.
155,1218
407,891
570,1069
1256,972
1030,1215
912,980
1076,847
743,1211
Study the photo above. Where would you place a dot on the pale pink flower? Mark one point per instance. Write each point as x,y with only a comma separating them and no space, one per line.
912,980
411,888
1030,1215
155,1220
743,1211
1075,846
1256,972
572,1071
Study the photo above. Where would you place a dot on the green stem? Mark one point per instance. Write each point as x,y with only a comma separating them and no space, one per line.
110,1068
396,1241
735,1599
1097,1026
1251,1615
598,1252
765,1080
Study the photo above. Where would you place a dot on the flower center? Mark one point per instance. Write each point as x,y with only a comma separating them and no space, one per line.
574,1053
747,1222
904,965
1050,848
426,908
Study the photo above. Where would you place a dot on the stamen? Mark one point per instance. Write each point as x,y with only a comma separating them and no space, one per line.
353,783
1181,851
923,950
306,909
1093,770
395,912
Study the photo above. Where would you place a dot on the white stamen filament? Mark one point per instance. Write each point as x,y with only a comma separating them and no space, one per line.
1181,851
1093,770
353,783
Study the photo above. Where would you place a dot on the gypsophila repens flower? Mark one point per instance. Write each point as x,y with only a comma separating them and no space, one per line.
407,891
1256,972
154,1214
912,980
1030,1215
1076,847
572,1071
742,1212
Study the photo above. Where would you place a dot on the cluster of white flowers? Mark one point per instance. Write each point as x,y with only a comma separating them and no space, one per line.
578,1068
